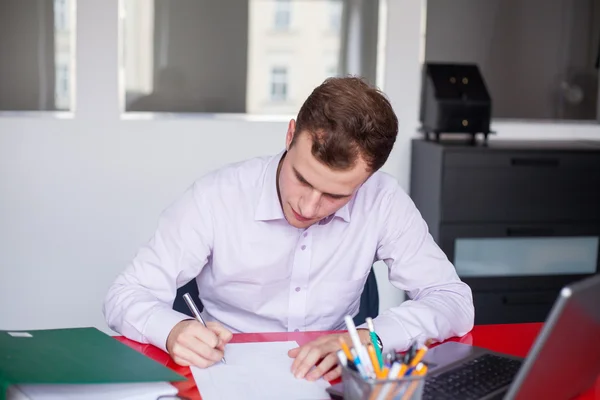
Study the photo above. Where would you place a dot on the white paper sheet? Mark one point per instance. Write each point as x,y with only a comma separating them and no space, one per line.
259,371
121,391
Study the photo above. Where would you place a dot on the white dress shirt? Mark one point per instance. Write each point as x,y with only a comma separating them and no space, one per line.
257,273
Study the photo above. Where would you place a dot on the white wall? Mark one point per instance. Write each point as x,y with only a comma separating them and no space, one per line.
80,195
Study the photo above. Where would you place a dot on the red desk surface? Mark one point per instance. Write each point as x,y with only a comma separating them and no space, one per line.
515,339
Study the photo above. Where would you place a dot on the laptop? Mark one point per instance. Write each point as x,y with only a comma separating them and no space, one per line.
563,361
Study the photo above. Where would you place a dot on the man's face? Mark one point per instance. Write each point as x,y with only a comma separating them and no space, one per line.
308,189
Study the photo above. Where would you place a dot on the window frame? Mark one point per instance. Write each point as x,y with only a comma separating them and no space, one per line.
279,79
282,15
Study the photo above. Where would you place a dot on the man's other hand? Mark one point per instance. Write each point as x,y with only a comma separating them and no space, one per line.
321,354
191,343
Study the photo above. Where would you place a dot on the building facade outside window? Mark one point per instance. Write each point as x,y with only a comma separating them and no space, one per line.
279,84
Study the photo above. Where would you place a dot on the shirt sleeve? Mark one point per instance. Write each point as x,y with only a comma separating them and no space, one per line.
139,303
439,304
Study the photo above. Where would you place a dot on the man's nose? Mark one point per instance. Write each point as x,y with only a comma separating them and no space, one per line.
310,206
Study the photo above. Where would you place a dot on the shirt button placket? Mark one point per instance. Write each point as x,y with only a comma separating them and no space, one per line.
299,284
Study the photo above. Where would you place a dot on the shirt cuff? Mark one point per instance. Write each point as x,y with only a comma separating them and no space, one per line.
393,335
159,325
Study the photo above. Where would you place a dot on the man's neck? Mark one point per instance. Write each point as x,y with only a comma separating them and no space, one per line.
277,179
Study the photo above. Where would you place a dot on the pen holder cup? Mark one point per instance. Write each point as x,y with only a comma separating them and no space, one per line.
358,388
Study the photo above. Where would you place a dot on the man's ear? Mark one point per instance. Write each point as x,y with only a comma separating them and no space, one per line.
290,134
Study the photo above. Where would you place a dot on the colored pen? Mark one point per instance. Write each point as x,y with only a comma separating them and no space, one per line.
418,356
345,348
420,370
410,353
360,349
414,370
373,357
390,357
402,370
384,372
395,370
359,365
192,306
385,389
352,366
373,335
342,358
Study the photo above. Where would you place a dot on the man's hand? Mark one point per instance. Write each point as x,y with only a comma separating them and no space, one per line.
191,343
321,354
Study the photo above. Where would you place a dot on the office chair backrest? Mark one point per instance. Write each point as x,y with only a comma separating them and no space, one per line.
369,299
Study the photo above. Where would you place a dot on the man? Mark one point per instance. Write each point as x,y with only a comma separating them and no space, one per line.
285,243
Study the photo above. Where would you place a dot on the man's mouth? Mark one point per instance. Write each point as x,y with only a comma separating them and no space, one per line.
300,217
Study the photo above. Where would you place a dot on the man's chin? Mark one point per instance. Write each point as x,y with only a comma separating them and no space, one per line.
300,224
296,223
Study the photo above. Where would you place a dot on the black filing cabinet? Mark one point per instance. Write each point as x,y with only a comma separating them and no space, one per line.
518,219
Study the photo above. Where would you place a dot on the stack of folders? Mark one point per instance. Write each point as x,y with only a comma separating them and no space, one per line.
78,363
372,365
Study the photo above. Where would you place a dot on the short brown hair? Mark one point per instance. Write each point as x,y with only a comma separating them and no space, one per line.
348,118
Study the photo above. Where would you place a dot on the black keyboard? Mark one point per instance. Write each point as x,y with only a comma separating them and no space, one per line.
472,380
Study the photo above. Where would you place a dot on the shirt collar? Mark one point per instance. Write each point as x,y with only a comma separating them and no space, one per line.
344,212
268,207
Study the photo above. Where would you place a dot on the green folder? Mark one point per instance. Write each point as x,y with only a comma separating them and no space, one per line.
73,356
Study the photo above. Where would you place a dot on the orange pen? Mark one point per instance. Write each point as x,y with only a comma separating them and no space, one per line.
374,361
420,370
384,372
403,369
346,349
418,357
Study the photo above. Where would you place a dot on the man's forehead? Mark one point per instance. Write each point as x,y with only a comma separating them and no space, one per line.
326,179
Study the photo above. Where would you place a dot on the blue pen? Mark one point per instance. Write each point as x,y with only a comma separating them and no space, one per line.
358,364
412,369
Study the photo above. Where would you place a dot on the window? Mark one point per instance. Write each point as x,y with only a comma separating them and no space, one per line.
283,11
526,256
205,56
537,57
335,15
36,55
61,11
61,95
279,84
332,70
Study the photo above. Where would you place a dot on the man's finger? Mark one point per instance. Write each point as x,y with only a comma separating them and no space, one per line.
311,359
300,356
293,353
207,352
327,364
224,338
186,356
205,335
333,374
224,334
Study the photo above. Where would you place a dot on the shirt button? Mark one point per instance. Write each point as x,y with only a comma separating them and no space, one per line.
305,234
296,330
303,247
297,288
